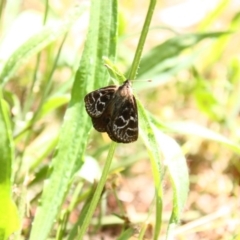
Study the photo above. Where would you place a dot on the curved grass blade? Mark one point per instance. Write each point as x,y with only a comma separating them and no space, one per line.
36,43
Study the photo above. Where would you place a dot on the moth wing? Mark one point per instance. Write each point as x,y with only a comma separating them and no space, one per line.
100,123
97,101
123,126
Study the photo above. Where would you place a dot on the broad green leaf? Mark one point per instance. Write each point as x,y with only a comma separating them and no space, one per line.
9,218
101,41
37,43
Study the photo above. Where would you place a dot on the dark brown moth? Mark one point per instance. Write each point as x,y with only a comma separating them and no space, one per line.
113,109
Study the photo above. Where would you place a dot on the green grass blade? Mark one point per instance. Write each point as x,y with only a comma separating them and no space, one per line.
164,148
194,129
219,46
97,193
191,128
9,218
36,43
211,17
155,155
101,41
53,103
127,234
163,61
176,165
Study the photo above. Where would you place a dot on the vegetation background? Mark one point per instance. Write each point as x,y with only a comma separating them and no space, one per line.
192,56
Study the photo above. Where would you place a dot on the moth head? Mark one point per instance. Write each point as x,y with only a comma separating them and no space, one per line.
126,89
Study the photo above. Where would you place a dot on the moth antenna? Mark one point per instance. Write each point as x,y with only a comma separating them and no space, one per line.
141,80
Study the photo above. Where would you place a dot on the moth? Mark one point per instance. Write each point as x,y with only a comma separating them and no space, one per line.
113,109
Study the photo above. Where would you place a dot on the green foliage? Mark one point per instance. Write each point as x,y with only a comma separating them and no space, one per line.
72,141
9,220
45,132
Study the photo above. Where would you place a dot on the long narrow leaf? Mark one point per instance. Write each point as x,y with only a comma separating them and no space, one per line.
155,155
164,149
101,41
9,220
36,43
191,128
175,163
165,60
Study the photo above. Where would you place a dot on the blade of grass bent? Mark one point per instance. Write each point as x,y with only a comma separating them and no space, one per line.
36,43
101,41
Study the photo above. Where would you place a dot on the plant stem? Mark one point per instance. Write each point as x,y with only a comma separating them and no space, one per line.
107,165
138,54
98,192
